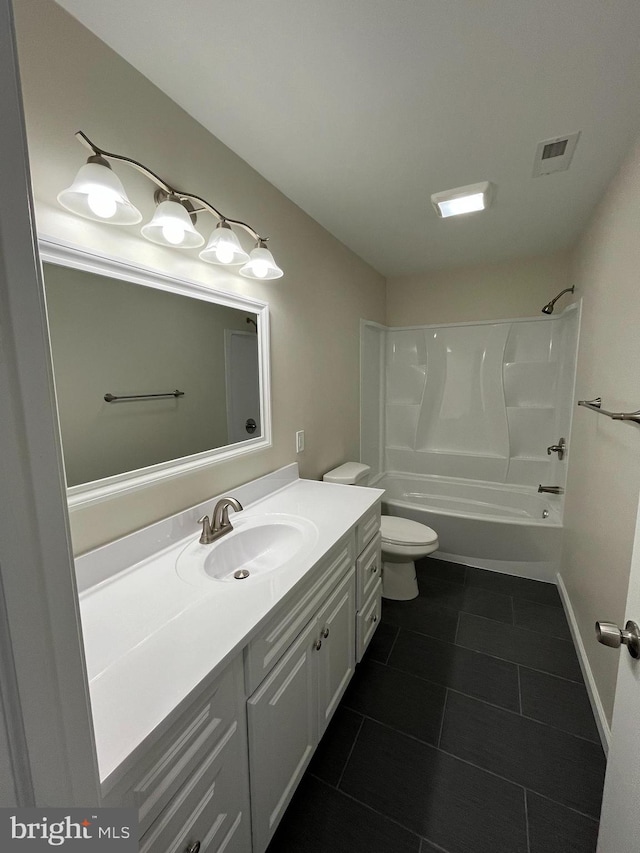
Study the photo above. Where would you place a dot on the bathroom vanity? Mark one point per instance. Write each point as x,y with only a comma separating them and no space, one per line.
209,693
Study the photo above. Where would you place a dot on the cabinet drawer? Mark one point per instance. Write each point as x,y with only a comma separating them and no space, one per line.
367,528
368,620
368,571
165,765
267,648
211,808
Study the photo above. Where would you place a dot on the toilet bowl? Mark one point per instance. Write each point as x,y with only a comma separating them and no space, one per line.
403,541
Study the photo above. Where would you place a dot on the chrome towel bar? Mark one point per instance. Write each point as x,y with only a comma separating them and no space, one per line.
596,406
111,398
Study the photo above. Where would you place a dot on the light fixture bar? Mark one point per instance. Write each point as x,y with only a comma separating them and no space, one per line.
160,182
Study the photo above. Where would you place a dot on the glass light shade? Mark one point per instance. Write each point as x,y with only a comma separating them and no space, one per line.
224,247
171,226
261,265
97,193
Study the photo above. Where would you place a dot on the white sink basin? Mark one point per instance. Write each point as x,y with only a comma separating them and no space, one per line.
255,547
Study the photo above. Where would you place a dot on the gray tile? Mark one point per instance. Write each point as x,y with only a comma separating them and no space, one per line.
557,765
450,803
381,643
558,702
481,602
519,645
541,618
421,615
461,669
330,757
320,819
556,829
543,593
491,605
441,569
408,704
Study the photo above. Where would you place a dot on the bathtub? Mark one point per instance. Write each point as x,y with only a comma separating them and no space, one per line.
511,529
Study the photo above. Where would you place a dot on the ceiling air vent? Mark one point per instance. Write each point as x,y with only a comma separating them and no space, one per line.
554,155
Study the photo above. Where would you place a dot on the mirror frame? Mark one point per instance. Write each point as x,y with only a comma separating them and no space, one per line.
65,254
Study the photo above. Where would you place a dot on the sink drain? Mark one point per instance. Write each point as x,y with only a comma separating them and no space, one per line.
241,574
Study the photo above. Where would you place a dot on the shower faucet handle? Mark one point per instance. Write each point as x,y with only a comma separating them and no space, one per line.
560,448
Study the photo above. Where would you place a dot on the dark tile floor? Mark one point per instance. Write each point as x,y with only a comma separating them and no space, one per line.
466,729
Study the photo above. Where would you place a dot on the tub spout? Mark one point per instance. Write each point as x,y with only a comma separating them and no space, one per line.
551,490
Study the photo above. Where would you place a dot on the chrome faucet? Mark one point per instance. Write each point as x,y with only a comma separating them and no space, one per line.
551,490
220,524
560,448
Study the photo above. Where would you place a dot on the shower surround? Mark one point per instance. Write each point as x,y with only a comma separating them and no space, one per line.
464,408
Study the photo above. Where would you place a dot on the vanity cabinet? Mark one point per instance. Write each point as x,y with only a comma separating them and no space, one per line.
218,772
289,712
191,785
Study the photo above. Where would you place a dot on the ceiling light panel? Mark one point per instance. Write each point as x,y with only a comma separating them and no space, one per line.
469,199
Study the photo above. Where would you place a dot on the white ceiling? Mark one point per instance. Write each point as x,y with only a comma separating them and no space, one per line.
358,110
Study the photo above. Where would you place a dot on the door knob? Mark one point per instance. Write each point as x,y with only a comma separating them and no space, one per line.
609,634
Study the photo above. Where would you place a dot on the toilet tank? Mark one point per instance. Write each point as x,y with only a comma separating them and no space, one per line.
349,474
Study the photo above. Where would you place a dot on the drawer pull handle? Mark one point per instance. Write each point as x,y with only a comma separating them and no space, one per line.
325,633
374,618
193,848
374,568
317,645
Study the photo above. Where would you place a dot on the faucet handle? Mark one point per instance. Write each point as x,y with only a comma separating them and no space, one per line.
560,448
205,536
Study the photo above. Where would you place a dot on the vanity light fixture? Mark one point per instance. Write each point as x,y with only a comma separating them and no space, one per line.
463,199
97,193
261,264
171,225
224,247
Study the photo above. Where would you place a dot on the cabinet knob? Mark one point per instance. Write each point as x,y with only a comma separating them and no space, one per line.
374,618
193,848
374,568
325,633
317,645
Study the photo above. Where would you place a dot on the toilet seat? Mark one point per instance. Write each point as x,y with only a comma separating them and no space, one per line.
402,531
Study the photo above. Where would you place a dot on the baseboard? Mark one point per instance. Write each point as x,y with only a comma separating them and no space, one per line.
540,571
594,697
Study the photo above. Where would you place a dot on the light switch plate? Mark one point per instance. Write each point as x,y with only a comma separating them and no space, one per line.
300,441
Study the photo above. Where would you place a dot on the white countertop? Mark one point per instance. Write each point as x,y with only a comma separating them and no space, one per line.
151,638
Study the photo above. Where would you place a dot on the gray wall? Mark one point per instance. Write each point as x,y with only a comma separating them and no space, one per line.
604,461
479,292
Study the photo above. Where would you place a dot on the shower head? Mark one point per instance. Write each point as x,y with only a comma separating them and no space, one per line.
548,308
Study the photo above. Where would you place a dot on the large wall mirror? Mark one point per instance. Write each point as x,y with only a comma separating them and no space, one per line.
154,375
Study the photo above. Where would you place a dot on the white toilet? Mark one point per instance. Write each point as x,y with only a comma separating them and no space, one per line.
403,540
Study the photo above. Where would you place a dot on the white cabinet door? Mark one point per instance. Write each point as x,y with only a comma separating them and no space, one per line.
336,658
283,732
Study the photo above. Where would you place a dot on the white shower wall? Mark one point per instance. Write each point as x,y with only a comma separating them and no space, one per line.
479,401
